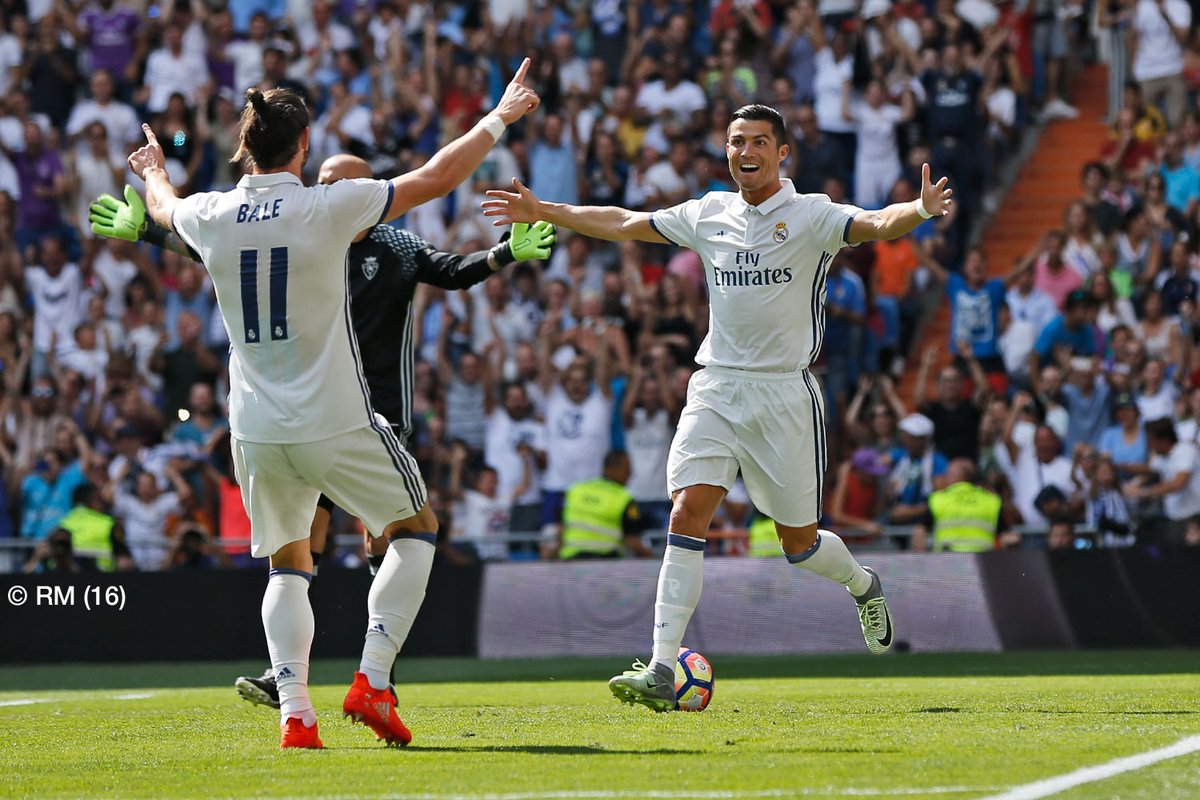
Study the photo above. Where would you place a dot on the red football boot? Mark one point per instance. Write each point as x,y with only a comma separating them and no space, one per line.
295,734
375,708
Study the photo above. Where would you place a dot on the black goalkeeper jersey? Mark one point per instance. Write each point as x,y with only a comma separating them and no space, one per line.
383,271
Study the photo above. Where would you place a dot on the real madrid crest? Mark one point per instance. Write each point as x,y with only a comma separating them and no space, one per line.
781,232
371,266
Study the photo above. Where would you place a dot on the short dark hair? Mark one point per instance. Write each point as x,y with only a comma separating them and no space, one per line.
272,122
613,458
757,112
1096,166
1079,298
1162,429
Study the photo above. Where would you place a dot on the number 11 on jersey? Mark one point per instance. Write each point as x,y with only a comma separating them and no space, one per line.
277,281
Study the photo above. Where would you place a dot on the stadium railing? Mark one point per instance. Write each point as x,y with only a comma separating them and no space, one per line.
734,542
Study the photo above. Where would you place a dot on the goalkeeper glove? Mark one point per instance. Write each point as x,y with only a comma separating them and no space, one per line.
116,220
525,242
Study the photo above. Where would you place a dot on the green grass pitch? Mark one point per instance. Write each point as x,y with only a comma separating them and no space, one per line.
963,727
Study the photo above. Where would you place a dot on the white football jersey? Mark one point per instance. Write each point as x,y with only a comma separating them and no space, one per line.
276,251
766,268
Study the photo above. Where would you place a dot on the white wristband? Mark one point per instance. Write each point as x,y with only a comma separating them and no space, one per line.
922,212
493,125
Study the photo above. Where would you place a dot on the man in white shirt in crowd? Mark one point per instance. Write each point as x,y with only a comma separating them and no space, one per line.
1178,466
650,412
56,289
1160,32
118,118
578,426
1031,455
171,69
510,428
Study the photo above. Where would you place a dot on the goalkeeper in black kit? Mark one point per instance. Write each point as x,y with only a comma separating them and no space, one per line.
384,266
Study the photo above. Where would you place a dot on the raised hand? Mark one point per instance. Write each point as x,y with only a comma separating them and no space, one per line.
511,207
531,241
148,156
518,99
935,197
116,220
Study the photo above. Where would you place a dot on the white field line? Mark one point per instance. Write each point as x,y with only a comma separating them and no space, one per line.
25,701
715,794
29,701
1052,786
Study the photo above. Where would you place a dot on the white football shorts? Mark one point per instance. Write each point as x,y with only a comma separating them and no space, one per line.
366,471
770,425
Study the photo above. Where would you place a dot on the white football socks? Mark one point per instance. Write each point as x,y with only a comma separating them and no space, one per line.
679,584
393,602
830,558
288,621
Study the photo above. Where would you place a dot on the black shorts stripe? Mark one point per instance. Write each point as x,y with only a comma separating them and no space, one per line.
405,465
818,420
816,307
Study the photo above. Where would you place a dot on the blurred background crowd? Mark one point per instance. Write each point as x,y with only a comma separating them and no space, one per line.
1069,406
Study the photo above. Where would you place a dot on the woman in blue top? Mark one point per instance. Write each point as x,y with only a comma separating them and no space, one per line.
1125,443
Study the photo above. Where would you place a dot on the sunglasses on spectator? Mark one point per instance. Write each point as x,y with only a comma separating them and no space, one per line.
42,391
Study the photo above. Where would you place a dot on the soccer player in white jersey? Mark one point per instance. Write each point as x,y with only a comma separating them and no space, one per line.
300,411
754,406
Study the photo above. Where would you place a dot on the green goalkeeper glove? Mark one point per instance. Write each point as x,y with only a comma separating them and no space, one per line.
531,241
116,220
522,243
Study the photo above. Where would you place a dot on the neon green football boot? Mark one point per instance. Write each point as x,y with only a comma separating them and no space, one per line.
646,685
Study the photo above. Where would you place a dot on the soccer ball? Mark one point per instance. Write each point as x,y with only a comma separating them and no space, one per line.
694,681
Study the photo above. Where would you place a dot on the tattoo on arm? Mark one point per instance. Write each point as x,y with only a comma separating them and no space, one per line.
159,236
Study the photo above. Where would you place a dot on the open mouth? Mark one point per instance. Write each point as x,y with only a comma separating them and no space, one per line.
749,168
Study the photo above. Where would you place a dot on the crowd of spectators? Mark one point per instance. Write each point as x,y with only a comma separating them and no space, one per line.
1078,371
113,355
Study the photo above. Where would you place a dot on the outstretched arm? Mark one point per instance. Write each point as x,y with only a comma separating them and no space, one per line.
453,271
600,222
898,219
455,162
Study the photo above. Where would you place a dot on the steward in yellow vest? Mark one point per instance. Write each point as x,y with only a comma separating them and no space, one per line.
600,516
764,541
95,534
963,517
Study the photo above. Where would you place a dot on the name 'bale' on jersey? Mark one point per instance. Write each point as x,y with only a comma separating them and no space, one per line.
276,251
766,268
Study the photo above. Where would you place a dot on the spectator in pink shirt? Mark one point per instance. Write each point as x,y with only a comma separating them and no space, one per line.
1051,274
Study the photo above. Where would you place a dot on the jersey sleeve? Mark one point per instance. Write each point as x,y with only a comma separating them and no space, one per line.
355,205
185,219
831,222
677,224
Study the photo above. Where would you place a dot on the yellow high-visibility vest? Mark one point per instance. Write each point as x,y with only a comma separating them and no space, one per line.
965,518
764,542
91,534
593,517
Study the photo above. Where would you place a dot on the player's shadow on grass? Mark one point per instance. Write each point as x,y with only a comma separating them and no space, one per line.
554,750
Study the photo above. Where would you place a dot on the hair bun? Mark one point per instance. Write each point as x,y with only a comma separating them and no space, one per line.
256,99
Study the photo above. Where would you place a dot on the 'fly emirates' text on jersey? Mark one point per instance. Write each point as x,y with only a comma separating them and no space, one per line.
766,268
276,251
